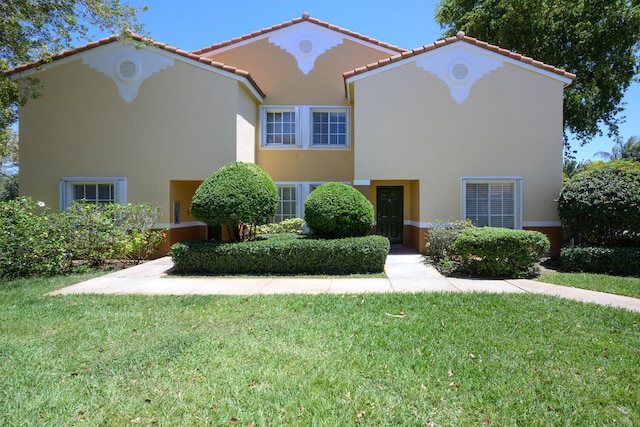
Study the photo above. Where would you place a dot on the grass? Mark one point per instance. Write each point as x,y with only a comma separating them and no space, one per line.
629,286
323,360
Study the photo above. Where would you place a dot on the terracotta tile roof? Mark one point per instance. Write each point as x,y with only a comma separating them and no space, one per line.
137,38
460,37
305,17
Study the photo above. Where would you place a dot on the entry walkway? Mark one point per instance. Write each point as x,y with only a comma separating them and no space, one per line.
405,273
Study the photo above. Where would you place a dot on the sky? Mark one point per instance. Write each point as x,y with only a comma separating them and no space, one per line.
193,24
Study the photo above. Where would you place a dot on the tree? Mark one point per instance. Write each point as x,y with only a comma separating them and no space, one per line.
31,30
597,40
239,195
629,150
8,165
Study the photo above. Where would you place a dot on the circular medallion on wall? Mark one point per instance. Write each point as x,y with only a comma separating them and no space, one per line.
459,71
127,69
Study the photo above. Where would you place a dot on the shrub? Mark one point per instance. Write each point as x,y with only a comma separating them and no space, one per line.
32,239
500,252
619,261
240,195
282,254
335,210
291,225
600,206
98,233
440,249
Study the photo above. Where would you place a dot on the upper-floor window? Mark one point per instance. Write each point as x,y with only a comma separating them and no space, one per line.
305,127
330,127
281,127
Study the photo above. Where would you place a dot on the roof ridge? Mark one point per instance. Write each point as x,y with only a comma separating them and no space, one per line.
459,37
305,17
141,39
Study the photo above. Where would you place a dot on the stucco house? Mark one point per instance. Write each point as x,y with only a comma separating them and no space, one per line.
451,130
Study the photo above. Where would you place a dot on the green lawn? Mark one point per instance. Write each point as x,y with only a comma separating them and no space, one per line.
323,360
629,286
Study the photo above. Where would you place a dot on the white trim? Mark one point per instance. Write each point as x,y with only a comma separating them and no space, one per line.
304,126
181,225
361,182
542,224
294,27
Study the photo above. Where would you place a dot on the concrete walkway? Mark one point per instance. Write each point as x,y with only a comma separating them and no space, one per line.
405,273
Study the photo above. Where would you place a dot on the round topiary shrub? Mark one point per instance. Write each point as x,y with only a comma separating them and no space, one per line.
600,206
239,194
335,210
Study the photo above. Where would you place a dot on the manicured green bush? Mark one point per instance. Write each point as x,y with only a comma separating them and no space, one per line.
600,206
239,195
618,261
32,239
336,210
440,249
282,254
291,225
499,252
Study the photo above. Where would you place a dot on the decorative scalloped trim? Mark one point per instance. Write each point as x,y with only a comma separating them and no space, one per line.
443,65
148,63
306,43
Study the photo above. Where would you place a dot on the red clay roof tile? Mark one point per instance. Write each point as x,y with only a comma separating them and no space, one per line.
137,38
303,18
460,37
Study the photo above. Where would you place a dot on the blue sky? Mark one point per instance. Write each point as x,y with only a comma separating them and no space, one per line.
193,24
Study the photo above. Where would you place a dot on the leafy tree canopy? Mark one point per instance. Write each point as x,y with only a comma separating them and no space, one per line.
625,150
598,40
35,29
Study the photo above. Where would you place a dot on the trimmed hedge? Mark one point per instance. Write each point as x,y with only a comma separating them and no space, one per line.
335,210
282,254
619,261
499,252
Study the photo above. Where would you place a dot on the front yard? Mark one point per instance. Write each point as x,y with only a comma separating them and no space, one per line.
326,360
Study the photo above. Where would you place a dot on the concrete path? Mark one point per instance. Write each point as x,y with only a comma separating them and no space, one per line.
405,273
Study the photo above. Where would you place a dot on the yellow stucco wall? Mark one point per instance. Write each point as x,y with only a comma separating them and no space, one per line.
409,127
182,125
277,73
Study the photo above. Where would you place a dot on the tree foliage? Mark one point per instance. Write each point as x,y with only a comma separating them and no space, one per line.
597,40
600,206
238,194
31,30
625,150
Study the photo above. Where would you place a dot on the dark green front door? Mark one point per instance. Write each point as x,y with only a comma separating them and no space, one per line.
390,219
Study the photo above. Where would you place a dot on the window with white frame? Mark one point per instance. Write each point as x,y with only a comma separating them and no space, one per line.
493,202
93,190
280,127
329,128
288,203
305,126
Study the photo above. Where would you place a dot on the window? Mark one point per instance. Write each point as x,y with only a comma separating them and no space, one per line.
95,193
329,128
281,128
305,127
493,202
92,189
288,205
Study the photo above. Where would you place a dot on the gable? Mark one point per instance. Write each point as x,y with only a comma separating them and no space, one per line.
459,62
